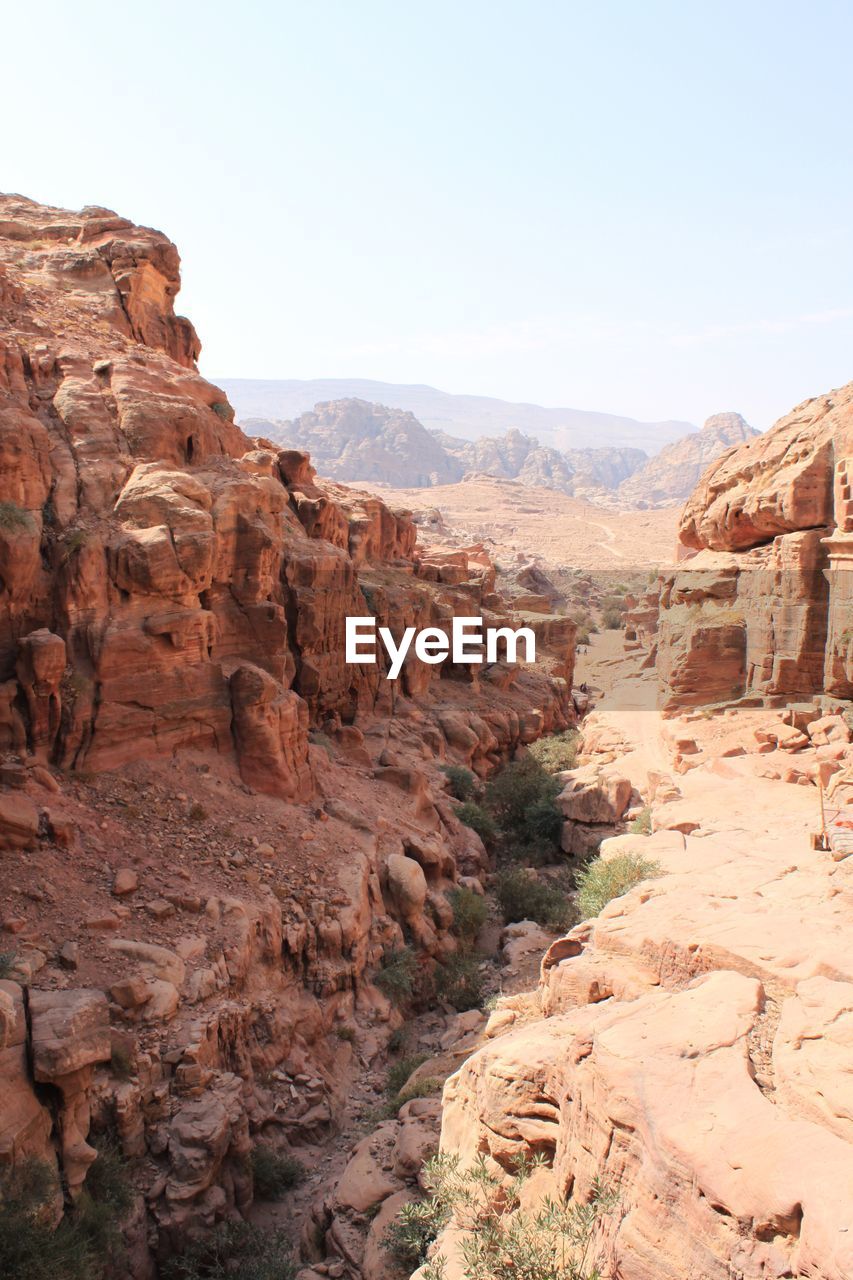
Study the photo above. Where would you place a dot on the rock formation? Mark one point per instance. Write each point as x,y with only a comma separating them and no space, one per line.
762,606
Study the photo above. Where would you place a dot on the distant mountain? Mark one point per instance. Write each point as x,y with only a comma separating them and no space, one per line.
673,474
466,416
356,440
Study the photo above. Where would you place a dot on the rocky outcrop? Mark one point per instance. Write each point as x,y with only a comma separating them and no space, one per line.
760,608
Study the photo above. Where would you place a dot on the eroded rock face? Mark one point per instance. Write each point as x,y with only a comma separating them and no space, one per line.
758,611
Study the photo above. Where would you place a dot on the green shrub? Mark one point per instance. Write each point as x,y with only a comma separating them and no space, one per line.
345,1032
522,801
642,824
322,740
73,543
398,974
398,1039
121,1062
522,895
14,518
399,1073
459,981
223,410
462,781
614,601
511,792
7,963
470,912
107,1181
602,881
274,1172
197,812
612,619
234,1251
420,1089
557,751
476,817
86,1245
495,1238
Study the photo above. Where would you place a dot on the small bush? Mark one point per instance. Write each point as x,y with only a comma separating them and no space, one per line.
107,1182
121,1062
7,963
274,1172
346,1033
13,518
462,781
556,752
86,1245
476,817
223,410
398,974
234,1251
614,601
323,741
73,543
197,812
522,802
470,912
602,881
522,895
459,981
421,1089
496,1239
398,1039
612,619
400,1072
642,824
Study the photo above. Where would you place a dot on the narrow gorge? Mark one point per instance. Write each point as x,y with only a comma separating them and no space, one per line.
265,941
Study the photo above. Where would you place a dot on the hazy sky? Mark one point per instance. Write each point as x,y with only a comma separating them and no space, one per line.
638,207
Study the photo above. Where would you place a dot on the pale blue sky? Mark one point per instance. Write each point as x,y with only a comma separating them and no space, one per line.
642,208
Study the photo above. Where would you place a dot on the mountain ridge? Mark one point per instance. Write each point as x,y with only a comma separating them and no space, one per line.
466,416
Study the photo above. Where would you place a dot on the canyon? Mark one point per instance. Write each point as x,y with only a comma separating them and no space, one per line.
225,849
